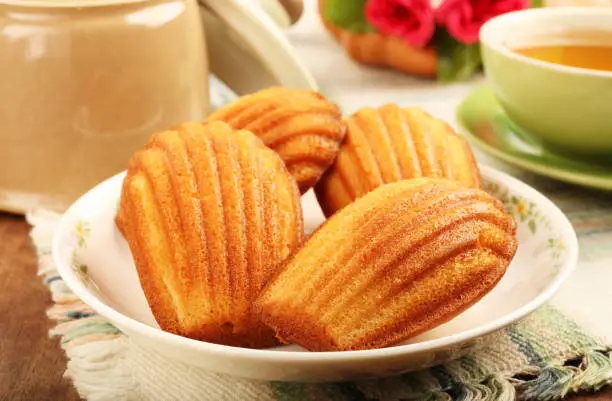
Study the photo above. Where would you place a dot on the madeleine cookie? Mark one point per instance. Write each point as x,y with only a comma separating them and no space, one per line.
390,144
401,260
209,213
300,125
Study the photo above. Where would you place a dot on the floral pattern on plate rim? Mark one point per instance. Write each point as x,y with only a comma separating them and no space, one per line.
81,232
527,212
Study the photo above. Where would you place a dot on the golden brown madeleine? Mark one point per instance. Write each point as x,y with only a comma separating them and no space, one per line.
390,144
209,213
300,125
400,260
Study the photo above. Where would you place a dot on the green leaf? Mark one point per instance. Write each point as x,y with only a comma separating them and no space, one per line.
349,15
532,226
536,3
456,61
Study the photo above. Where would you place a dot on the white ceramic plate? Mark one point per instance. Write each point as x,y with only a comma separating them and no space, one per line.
95,261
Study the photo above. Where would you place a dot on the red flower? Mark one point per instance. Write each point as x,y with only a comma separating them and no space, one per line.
463,18
411,20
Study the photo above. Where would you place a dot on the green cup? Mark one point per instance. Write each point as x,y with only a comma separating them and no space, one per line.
566,108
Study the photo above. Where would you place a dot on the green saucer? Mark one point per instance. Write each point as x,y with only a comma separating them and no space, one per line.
484,122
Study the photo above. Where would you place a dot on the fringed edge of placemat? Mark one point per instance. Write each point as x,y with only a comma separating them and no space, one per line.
92,346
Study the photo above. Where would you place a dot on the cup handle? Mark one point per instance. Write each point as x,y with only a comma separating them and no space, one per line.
248,50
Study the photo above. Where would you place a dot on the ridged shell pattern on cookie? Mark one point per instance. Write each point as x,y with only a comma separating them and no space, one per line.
300,125
403,259
389,144
209,213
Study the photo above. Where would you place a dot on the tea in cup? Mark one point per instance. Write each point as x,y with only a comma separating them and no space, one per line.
551,69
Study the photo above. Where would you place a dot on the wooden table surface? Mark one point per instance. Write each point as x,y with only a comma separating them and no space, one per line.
32,364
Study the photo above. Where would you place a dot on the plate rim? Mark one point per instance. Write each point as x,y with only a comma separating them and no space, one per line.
158,335
565,175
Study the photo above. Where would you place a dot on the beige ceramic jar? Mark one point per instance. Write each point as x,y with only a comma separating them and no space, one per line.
84,87
84,83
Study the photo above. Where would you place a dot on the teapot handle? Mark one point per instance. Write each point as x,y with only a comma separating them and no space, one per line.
284,12
248,50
